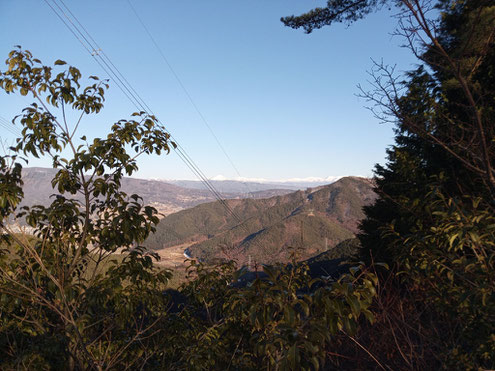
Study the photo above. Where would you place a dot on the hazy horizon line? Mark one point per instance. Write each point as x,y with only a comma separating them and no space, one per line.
221,178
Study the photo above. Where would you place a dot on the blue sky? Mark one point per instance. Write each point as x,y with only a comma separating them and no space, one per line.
282,103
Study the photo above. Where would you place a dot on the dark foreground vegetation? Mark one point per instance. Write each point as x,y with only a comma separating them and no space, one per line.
67,304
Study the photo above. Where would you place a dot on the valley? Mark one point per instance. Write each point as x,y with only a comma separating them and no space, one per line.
173,257
267,225
305,223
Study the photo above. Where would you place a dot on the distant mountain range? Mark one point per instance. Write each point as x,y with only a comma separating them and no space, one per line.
248,186
167,198
311,221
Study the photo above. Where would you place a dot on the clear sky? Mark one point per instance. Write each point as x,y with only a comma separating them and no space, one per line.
282,103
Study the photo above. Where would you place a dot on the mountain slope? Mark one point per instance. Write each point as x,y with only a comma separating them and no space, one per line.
311,221
208,220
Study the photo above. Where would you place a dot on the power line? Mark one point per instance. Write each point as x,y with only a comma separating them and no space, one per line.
143,106
4,123
93,48
141,103
93,51
193,103
9,127
106,64
174,73
100,52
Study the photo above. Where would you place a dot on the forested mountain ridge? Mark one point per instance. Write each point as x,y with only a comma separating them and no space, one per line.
67,301
316,219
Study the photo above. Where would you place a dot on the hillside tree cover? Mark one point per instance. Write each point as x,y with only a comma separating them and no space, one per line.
434,219
83,293
315,220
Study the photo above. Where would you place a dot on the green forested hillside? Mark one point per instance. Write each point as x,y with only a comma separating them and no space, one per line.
67,302
316,219
206,220
433,222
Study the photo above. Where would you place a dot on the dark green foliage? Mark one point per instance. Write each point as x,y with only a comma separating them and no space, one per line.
336,260
284,321
346,11
433,220
452,260
59,308
10,186
346,249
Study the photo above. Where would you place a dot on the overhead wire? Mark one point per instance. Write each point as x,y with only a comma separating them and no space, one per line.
196,108
93,51
105,63
123,84
142,104
12,129
186,92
